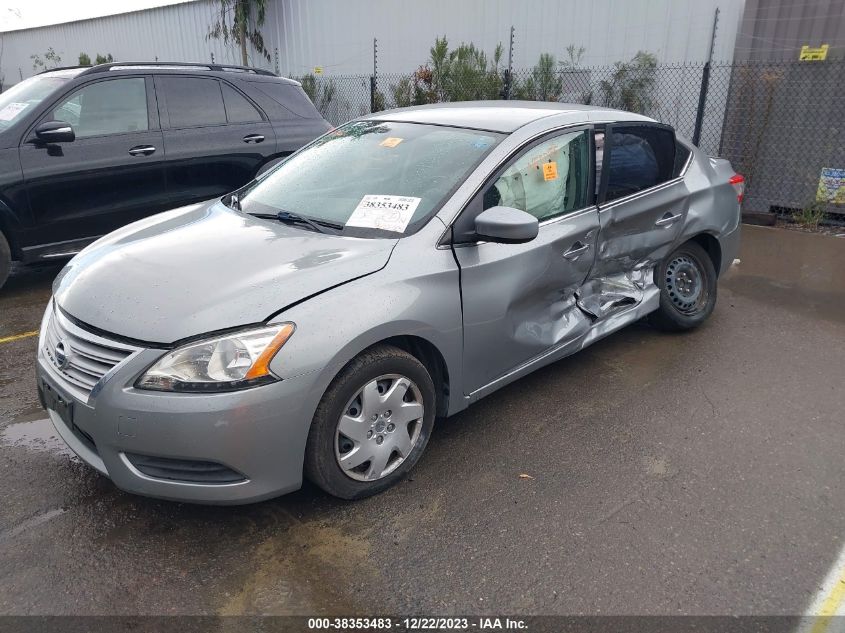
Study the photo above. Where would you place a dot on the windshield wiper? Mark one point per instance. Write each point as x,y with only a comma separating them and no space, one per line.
289,217
234,202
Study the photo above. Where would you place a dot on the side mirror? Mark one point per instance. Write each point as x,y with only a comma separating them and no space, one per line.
54,132
506,225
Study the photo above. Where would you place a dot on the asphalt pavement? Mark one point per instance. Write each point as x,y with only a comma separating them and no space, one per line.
699,473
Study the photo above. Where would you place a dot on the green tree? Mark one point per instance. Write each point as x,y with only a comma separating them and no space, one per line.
51,60
237,23
632,85
104,59
84,60
321,92
544,83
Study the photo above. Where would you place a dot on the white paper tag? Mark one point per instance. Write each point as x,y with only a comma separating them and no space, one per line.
389,213
12,110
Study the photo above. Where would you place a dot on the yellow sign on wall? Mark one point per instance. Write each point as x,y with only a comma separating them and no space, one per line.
318,70
808,54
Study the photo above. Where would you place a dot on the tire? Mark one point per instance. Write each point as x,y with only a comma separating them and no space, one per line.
5,260
379,382
687,282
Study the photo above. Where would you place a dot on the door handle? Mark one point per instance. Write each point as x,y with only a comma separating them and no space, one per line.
253,138
576,250
668,219
142,150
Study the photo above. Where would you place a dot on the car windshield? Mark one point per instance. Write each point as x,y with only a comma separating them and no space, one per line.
371,178
24,96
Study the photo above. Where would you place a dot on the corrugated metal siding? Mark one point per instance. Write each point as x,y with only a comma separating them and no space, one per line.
338,34
774,30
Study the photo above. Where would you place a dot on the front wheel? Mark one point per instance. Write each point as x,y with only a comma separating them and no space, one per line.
372,424
687,282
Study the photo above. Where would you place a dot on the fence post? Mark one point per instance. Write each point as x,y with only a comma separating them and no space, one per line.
372,93
702,102
705,84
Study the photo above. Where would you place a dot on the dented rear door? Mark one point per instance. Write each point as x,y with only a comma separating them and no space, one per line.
642,204
519,300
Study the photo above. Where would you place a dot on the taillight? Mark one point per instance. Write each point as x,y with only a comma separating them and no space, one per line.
738,181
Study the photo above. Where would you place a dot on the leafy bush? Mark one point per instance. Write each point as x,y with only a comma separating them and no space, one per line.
84,60
544,83
632,85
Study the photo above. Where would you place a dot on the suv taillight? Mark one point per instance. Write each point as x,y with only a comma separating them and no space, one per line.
738,181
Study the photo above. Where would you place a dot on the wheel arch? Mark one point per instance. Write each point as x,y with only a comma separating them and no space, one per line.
427,353
711,246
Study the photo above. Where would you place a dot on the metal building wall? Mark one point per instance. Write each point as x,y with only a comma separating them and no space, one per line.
338,34
775,30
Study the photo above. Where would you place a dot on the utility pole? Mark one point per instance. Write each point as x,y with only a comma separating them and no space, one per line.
705,84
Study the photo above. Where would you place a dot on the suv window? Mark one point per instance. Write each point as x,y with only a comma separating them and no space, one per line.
238,109
192,101
288,96
114,106
641,156
549,179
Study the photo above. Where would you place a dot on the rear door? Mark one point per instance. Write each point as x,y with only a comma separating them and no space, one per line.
642,205
216,138
110,175
519,300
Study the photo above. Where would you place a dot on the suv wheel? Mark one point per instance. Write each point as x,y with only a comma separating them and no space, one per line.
372,424
5,259
687,281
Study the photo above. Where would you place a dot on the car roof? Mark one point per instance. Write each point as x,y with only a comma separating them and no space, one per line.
501,116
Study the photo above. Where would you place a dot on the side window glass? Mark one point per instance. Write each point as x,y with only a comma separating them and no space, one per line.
682,153
640,157
549,179
238,109
114,106
193,101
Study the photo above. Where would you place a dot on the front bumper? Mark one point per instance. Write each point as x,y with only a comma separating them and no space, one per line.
259,433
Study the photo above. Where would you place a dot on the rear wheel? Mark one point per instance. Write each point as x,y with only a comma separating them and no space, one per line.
372,424
687,281
5,260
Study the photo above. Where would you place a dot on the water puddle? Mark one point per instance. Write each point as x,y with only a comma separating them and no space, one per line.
36,435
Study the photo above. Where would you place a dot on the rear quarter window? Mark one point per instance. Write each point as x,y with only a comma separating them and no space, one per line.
289,96
682,154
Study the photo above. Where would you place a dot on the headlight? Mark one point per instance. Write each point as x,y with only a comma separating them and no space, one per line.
223,363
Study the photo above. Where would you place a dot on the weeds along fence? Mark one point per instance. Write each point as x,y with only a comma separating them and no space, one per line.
780,124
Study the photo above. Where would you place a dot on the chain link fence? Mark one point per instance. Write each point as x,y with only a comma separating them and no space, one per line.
780,124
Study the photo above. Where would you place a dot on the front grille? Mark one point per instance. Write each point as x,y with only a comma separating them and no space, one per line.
187,470
87,357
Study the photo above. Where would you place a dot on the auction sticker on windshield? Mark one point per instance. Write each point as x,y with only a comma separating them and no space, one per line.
388,213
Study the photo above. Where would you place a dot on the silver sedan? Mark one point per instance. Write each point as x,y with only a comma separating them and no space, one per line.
399,268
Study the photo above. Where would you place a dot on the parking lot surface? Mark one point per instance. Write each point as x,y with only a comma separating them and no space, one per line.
700,473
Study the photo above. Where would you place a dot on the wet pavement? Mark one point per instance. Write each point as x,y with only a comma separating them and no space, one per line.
699,474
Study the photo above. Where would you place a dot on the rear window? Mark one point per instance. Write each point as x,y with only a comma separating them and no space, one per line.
641,156
238,109
192,101
289,96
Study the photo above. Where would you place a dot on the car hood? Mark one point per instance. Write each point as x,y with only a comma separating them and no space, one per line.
204,268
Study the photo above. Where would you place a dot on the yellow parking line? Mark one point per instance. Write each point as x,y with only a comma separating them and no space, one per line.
17,337
831,600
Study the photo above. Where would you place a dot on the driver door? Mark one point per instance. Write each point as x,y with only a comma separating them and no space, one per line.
110,175
519,299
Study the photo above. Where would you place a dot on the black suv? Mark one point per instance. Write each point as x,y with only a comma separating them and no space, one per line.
86,150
